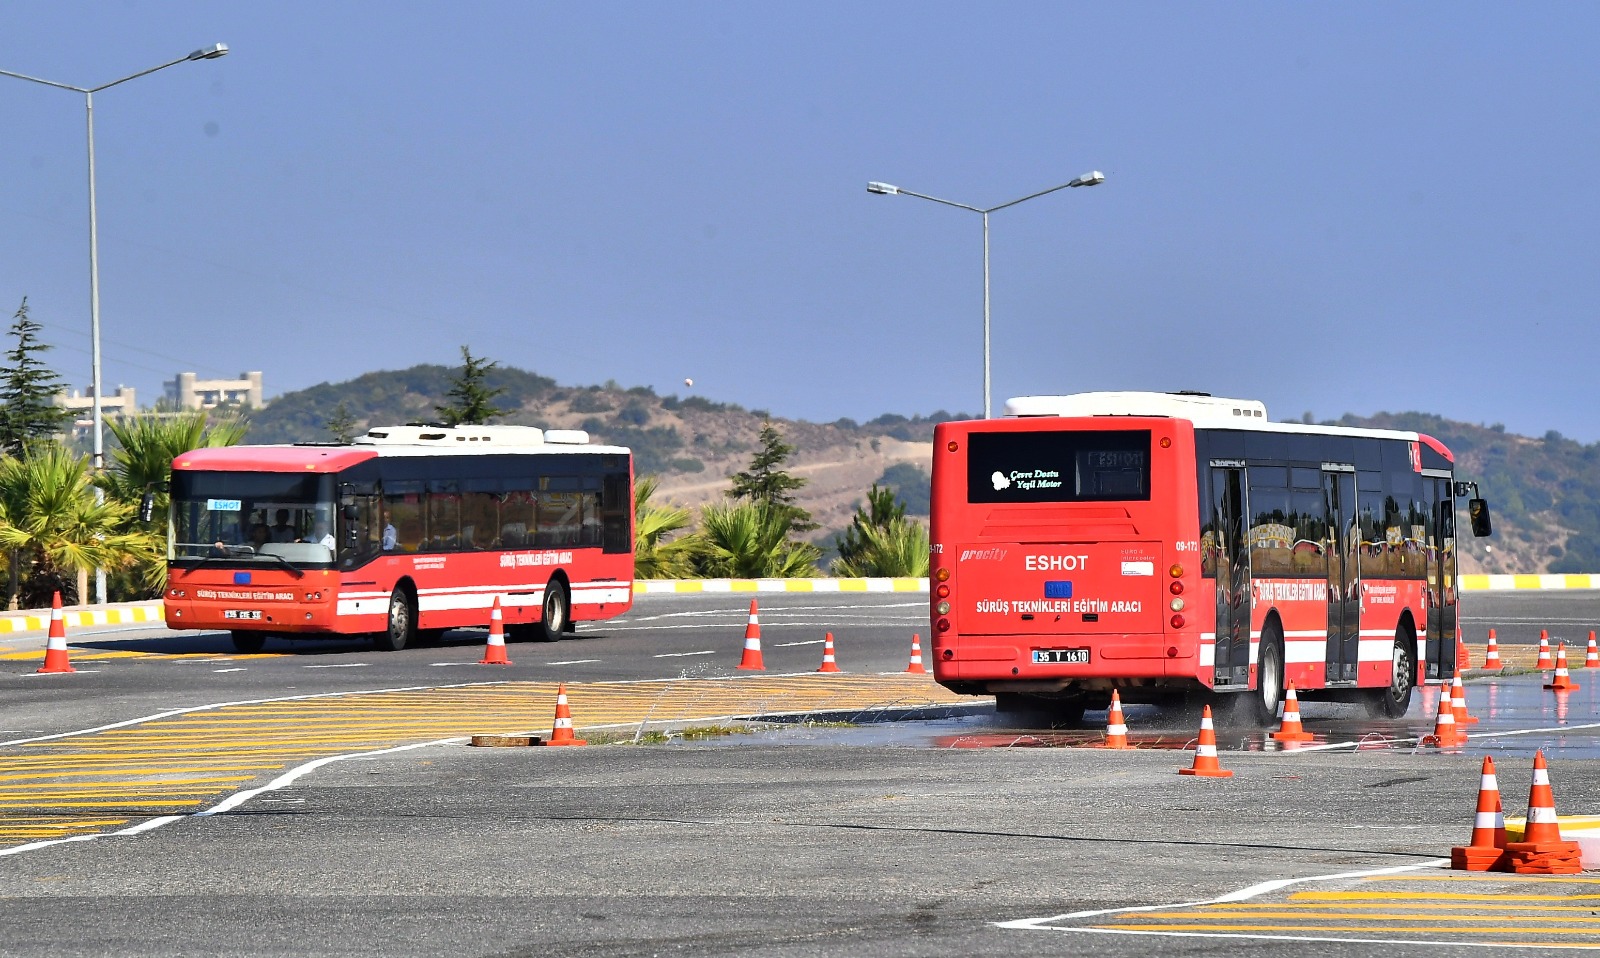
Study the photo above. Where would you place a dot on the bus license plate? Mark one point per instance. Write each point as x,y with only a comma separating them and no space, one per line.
256,614
1060,656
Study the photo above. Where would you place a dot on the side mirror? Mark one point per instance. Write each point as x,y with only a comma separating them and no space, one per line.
351,512
1478,511
147,506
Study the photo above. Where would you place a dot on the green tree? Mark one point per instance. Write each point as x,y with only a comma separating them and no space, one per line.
765,483
27,387
342,425
472,400
141,461
654,556
881,541
50,519
750,541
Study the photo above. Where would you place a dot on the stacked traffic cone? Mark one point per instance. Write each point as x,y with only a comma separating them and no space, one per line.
1591,657
1544,651
1541,851
1458,705
55,650
916,656
1491,657
1463,657
1116,728
1445,733
1487,849
1562,680
829,664
751,659
1205,752
561,731
495,652
1291,730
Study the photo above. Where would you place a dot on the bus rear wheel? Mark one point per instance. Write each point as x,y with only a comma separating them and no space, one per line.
1394,701
402,630
557,609
248,642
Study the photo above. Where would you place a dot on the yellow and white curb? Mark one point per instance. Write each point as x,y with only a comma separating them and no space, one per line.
660,586
1504,583
82,618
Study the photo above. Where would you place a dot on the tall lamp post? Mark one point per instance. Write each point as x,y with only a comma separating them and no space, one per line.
97,417
1092,178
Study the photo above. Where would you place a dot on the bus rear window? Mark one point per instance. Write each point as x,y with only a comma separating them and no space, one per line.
1062,466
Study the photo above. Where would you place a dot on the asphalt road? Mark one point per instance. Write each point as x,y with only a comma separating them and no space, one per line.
814,841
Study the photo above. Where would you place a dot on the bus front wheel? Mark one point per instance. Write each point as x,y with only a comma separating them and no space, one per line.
402,630
557,609
1394,701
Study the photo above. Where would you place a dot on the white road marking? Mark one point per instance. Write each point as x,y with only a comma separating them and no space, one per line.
785,645
679,655
574,662
339,665
240,669
77,671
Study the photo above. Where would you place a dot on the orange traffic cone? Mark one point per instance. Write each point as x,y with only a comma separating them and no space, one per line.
1591,657
1491,656
495,652
1544,651
55,650
561,731
1291,730
1205,752
1458,705
1562,680
752,643
1487,849
1445,733
828,662
1116,728
916,656
1541,851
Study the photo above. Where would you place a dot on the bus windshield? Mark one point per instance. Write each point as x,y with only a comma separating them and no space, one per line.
252,517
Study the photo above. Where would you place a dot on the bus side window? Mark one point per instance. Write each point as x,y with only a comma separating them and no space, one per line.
402,505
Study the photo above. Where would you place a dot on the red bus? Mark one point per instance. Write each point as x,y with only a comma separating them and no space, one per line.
404,533
1169,545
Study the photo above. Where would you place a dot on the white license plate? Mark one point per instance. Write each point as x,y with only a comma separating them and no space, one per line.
245,614
1060,656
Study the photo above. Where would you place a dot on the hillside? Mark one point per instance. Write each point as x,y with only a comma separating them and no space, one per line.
1545,493
692,443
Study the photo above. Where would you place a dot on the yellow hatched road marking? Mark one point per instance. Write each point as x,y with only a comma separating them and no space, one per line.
1353,929
152,763
1390,896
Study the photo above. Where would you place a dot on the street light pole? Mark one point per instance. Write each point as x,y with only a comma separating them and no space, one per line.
1092,178
95,414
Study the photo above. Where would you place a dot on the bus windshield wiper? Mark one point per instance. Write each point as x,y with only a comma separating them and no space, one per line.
245,552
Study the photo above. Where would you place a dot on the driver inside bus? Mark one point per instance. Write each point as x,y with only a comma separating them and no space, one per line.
320,535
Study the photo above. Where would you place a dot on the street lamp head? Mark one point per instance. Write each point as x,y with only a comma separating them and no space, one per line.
1091,178
209,53
882,188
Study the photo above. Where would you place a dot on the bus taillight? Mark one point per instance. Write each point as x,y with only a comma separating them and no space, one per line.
943,591
1177,622
943,575
1176,571
944,626
1176,588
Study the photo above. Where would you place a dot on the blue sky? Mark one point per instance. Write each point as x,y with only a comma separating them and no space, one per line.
1334,207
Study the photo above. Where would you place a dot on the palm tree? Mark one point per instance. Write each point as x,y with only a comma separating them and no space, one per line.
653,556
897,549
749,541
142,462
49,519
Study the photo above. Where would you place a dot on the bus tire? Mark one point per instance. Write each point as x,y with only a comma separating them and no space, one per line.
402,630
1267,697
248,642
1393,702
557,611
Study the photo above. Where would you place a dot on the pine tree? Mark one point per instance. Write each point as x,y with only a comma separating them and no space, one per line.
767,484
27,386
341,425
881,511
472,400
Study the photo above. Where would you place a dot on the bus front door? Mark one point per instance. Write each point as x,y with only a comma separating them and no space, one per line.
1341,542
1439,649
1232,664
